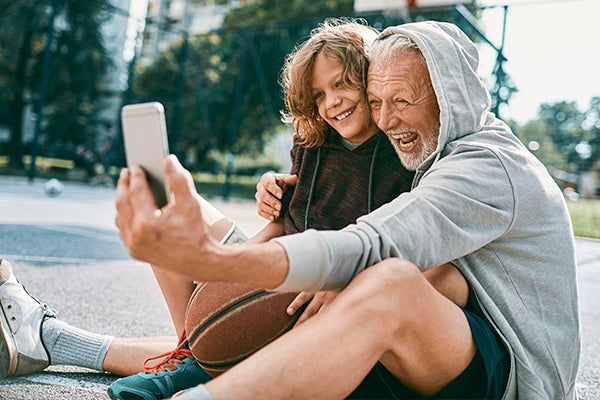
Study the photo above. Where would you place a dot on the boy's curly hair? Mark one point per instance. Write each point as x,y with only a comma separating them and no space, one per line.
342,39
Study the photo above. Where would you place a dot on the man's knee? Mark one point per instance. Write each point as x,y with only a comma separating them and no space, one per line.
392,274
381,288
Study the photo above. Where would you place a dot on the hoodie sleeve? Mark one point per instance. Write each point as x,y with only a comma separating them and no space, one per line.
463,202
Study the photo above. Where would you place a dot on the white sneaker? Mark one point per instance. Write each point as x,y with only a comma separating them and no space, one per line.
21,316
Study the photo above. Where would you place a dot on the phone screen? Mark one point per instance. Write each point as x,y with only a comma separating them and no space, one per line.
146,145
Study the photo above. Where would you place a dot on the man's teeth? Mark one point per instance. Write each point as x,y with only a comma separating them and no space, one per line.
401,137
343,115
406,145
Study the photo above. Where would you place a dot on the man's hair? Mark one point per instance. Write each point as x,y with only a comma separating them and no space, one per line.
345,40
390,47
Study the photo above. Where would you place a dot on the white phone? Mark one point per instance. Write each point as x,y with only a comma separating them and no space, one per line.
146,144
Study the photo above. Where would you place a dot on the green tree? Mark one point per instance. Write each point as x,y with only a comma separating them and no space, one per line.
78,65
593,121
560,133
534,134
232,97
564,124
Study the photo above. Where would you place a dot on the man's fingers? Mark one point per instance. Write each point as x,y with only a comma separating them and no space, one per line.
309,311
267,202
298,302
268,213
122,203
139,194
287,180
178,179
273,188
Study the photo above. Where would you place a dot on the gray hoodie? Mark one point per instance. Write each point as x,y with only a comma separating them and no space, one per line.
482,202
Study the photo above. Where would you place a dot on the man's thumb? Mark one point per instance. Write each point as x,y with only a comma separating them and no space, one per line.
178,179
287,180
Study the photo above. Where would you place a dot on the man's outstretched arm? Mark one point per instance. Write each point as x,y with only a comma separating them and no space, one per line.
175,237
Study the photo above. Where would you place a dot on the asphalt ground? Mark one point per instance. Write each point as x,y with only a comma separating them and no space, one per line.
67,252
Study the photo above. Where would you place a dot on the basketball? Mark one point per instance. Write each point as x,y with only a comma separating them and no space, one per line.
53,187
227,322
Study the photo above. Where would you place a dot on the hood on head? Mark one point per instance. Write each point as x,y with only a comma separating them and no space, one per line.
452,60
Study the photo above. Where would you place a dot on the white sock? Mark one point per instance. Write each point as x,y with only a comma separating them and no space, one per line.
196,393
68,345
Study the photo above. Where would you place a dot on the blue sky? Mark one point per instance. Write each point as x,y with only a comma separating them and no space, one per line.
553,51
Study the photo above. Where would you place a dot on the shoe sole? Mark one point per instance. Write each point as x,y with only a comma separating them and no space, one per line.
8,348
136,396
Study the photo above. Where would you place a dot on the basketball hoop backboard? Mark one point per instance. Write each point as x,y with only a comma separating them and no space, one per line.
376,5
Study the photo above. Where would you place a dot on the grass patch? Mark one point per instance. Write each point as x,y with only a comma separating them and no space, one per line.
242,187
585,215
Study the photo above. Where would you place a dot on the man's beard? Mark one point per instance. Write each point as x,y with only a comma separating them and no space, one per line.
412,160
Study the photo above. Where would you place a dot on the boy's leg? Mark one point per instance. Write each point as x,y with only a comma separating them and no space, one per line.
177,289
126,356
178,369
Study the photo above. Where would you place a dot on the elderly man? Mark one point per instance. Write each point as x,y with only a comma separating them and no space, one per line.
479,200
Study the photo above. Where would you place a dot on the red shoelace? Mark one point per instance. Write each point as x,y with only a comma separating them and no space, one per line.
169,359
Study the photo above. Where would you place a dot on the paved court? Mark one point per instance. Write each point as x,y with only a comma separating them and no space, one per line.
66,250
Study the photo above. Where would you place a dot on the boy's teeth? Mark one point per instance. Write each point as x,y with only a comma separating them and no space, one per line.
342,116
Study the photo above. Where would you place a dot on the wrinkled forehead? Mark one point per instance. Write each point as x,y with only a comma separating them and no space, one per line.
408,68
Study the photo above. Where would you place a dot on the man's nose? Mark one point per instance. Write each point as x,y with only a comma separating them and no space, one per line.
386,118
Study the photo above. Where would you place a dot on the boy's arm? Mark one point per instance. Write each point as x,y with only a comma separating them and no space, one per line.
271,230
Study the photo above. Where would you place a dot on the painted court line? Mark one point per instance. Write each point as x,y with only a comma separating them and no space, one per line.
61,260
79,384
82,232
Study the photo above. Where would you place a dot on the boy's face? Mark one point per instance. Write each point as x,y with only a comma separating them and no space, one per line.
344,108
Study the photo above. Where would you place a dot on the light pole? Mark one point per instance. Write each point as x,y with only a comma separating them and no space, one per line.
43,91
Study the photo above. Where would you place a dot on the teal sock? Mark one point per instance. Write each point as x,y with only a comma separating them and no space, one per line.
68,345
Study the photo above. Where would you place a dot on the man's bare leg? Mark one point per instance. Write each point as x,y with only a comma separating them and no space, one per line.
389,313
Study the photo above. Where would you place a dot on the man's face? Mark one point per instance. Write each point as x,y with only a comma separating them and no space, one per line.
404,106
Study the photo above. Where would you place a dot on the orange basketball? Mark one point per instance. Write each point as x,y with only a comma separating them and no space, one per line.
227,322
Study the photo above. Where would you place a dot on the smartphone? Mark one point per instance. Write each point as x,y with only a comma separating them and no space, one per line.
146,144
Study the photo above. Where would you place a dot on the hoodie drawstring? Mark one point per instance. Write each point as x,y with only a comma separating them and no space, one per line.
316,172
371,172
312,186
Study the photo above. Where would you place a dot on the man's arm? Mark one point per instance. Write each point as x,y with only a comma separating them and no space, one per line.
176,238
451,213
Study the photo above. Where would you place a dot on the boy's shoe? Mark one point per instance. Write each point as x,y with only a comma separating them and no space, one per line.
21,316
177,371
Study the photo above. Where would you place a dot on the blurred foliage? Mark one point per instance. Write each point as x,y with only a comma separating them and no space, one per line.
560,129
220,89
231,98
78,64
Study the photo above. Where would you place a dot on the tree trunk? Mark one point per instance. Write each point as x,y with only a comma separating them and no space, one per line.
17,105
15,148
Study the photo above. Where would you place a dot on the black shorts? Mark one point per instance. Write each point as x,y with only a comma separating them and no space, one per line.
484,378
